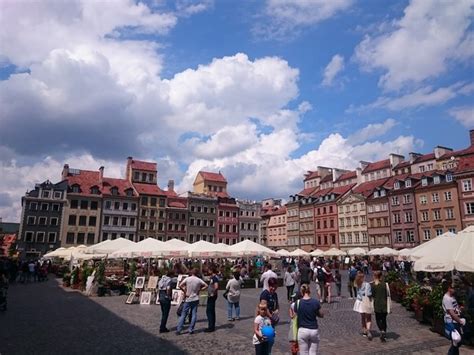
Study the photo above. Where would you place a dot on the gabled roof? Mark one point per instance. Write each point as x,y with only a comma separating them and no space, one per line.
177,202
402,164
149,189
424,157
274,211
85,179
327,178
144,165
347,176
366,188
121,184
341,190
307,192
378,165
322,192
458,153
465,164
311,175
216,177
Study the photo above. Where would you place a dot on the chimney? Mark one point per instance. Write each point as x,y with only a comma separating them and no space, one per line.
395,159
336,173
363,164
359,175
170,185
439,151
65,172
128,171
101,174
413,156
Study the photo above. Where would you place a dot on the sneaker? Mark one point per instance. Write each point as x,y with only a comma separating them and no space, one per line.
164,330
178,332
237,318
369,335
383,337
191,332
230,319
209,330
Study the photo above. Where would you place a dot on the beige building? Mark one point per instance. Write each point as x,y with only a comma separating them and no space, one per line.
277,238
211,184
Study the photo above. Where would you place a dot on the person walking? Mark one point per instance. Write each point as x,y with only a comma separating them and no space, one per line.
351,283
363,304
233,297
320,282
381,296
452,319
338,281
211,300
289,281
268,274
271,297
191,287
328,280
261,320
308,310
164,295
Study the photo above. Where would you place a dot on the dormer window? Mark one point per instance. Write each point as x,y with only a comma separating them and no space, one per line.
114,191
396,186
436,179
76,188
129,192
382,193
424,181
407,183
94,190
449,177
376,194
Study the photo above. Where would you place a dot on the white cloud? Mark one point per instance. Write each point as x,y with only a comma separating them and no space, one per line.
423,97
464,115
334,67
371,131
284,17
421,44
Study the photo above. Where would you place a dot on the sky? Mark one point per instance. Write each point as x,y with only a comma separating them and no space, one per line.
261,90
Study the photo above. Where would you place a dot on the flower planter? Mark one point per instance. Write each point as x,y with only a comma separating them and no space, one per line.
428,314
437,326
418,313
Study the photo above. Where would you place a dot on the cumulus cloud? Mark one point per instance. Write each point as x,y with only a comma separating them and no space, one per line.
371,131
421,44
464,115
283,18
334,67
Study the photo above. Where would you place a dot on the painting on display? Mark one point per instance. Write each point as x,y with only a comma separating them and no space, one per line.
140,282
145,298
152,282
177,297
130,298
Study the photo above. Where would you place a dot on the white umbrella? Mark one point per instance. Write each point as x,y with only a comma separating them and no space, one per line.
374,252
334,252
110,247
203,249
283,252
317,252
385,251
434,244
299,253
357,251
464,257
98,245
224,250
55,253
148,248
176,243
249,248
405,252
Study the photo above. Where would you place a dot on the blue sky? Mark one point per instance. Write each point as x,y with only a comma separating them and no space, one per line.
261,90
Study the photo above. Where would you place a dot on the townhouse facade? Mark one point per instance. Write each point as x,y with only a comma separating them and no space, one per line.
202,210
277,238
249,220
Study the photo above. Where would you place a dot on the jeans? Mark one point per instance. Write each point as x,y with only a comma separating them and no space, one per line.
352,289
229,309
165,311
262,348
381,319
308,341
448,327
211,312
289,291
338,286
188,306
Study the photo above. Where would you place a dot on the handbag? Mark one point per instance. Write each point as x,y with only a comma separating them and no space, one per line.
389,299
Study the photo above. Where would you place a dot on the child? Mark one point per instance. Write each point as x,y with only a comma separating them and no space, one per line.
338,279
262,319
293,332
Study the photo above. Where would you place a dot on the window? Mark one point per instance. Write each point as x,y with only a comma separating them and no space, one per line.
424,216
28,236
408,183
115,221
452,230
106,220
40,237
407,198
364,237
439,231
144,201
70,238
426,234
92,221
116,205
430,166
74,203
82,220
449,177
132,222
436,215
84,204
95,190
410,236
398,236
44,206
53,221
436,179
124,221
129,192
136,175
467,185
162,202
449,213
30,220
56,207
125,206
343,238
153,201
143,212
470,207
341,222
90,238
134,207
51,237
33,206
421,168
382,193
408,217
72,220
108,205
424,182
423,199
395,201
80,238
396,186
58,195
435,197
396,218
448,196
45,194
76,188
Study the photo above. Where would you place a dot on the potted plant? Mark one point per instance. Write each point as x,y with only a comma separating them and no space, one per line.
67,280
412,292
436,301
100,278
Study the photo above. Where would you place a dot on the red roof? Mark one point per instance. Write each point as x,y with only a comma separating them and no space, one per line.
469,150
322,192
149,189
308,191
216,177
177,202
144,165
378,165
311,175
347,176
366,188
276,210
85,179
403,164
327,178
121,184
465,164
425,157
341,190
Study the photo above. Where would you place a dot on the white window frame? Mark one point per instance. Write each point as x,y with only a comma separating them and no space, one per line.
423,200
34,220
37,239
467,185
426,234
57,195
32,236
408,183
51,220
55,237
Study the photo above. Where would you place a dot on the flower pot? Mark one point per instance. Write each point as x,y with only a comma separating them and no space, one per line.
437,326
428,314
418,313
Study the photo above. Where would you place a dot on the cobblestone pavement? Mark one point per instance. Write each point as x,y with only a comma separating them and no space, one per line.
44,318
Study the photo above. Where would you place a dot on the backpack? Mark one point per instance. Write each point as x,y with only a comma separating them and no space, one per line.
353,274
321,276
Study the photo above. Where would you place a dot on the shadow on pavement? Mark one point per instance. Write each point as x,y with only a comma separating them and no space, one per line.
44,319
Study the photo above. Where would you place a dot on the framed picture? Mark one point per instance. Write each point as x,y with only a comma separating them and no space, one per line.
177,297
145,298
152,282
140,282
181,278
130,298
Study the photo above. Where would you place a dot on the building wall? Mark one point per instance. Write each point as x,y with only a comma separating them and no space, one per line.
119,218
249,220
277,238
81,220
403,218
352,217
152,217
227,221
202,217
378,222
307,227
293,224
465,185
326,225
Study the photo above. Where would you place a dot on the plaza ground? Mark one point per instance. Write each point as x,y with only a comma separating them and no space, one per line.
43,318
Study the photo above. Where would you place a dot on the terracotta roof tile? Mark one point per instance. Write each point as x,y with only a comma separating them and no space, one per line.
403,164
425,157
86,179
457,153
121,184
311,175
378,165
177,202
347,176
149,189
217,177
465,164
366,188
327,178
144,165
307,192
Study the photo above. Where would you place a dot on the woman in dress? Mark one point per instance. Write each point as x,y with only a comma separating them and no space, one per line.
363,303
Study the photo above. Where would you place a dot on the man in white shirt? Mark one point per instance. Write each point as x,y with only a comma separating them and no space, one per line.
452,319
191,287
267,275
